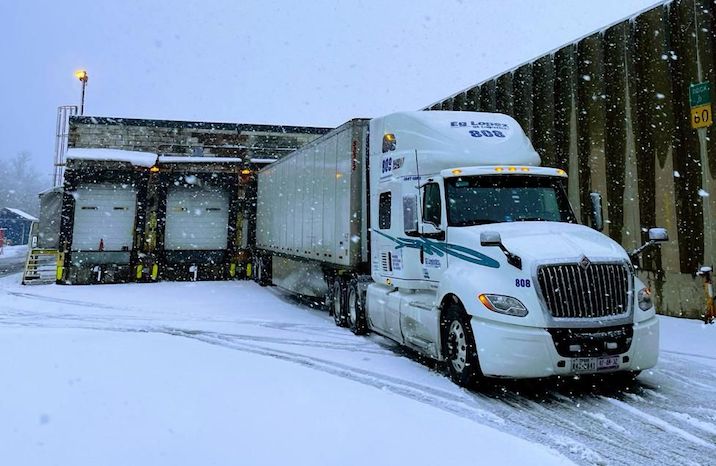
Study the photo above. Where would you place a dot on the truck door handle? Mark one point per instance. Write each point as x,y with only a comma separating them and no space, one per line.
422,254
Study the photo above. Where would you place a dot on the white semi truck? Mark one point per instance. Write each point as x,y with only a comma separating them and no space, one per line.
440,230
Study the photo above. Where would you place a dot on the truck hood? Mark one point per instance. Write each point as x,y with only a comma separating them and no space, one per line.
538,242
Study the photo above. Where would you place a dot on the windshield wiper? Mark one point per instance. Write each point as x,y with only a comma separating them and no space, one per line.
477,221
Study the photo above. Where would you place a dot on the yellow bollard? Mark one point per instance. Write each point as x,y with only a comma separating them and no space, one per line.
139,271
155,271
232,270
248,270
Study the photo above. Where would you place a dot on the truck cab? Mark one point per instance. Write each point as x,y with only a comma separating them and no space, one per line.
477,257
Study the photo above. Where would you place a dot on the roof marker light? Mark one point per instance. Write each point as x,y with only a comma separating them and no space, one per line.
154,169
456,171
498,169
561,172
512,169
525,169
388,142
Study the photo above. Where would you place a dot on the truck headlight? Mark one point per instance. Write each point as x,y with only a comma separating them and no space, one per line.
503,304
644,299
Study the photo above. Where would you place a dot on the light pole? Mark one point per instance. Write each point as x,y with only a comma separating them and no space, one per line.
82,76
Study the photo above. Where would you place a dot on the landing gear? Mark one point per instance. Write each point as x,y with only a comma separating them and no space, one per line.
262,270
459,347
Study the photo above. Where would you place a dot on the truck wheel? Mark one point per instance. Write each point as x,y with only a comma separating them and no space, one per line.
338,300
355,314
459,347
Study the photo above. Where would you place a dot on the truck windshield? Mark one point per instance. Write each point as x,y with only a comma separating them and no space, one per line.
478,200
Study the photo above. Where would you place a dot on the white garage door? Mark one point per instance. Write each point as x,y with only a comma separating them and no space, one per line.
197,218
104,213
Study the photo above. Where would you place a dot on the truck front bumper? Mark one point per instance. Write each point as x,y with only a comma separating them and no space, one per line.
516,351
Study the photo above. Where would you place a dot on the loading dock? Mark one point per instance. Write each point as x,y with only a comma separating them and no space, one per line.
103,211
148,200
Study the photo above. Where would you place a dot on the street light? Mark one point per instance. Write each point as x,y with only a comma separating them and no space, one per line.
82,76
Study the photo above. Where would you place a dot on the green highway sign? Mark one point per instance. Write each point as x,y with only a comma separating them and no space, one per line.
700,94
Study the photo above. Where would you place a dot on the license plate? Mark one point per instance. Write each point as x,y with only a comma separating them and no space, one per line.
595,364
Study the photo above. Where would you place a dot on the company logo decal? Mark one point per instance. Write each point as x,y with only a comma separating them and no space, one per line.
442,249
584,262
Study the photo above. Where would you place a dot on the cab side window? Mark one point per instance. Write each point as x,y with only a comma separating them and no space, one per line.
384,202
432,206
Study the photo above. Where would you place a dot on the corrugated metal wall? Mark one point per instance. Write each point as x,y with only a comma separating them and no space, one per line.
613,110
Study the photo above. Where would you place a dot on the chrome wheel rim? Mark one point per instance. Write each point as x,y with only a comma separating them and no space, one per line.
352,307
458,346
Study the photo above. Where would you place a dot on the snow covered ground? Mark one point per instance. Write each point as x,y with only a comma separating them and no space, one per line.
12,259
231,373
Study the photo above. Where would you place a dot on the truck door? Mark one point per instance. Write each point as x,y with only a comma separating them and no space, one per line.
433,257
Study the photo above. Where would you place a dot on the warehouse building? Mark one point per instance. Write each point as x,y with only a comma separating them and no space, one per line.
622,111
155,199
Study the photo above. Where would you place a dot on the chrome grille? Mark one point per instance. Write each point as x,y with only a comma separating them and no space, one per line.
600,290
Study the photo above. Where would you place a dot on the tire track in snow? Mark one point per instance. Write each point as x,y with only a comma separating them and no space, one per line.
554,420
660,423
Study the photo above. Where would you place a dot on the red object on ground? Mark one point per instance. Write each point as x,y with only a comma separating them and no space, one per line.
101,244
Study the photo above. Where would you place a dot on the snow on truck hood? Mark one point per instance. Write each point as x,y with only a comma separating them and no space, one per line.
550,241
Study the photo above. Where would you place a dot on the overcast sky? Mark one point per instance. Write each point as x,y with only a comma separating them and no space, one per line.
318,62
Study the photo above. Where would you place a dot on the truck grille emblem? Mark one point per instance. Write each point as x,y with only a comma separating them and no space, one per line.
584,262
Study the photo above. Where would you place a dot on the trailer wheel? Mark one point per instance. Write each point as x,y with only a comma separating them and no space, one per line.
355,312
459,347
338,301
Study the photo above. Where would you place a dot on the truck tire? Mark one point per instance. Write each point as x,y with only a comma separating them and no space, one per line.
355,309
459,347
339,301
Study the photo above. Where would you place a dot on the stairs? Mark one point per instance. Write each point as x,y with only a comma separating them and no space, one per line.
41,267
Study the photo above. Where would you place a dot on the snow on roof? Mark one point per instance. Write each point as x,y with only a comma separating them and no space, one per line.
140,159
183,159
263,160
21,214
56,189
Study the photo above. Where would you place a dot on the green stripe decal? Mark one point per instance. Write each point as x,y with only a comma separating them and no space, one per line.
441,249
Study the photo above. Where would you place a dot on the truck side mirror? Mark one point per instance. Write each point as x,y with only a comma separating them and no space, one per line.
658,234
429,230
490,238
597,218
410,214
493,238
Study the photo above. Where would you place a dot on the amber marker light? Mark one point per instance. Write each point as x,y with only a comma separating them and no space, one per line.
498,169
456,171
483,299
245,171
512,169
154,169
525,169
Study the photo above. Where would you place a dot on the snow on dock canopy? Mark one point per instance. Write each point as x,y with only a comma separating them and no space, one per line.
191,159
139,159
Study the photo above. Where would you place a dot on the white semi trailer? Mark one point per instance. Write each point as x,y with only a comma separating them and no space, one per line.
440,230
